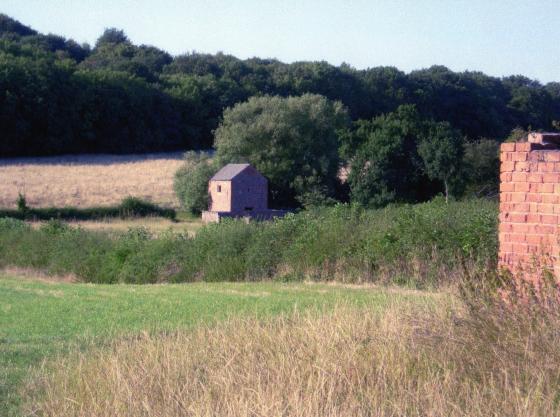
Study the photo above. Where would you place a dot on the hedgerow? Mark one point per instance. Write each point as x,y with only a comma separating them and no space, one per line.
420,245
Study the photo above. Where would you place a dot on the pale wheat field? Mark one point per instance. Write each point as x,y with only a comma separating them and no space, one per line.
89,180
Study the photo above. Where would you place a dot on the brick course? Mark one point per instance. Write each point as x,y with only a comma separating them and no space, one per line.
529,205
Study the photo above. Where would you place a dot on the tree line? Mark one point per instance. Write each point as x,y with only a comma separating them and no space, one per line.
57,96
401,137
300,144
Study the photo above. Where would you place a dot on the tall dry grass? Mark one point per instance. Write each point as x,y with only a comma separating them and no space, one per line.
89,180
351,362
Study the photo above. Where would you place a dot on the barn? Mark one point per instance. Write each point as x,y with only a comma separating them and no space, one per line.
238,191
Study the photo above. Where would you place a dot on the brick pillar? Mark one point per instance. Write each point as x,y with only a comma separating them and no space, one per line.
530,204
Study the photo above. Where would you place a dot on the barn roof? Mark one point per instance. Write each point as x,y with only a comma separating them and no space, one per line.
229,171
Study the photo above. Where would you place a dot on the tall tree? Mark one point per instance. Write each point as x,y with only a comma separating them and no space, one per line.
482,167
386,167
191,182
441,150
112,35
57,96
292,141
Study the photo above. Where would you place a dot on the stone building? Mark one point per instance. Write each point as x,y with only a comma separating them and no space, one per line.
239,191
530,205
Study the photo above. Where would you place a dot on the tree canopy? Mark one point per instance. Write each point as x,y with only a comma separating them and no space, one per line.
292,141
412,135
403,157
386,167
441,150
57,96
191,182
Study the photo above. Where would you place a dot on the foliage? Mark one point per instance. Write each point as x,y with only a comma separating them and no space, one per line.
386,167
111,36
422,245
518,134
114,51
191,181
22,203
292,141
402,157
9,25
441,151
482,167
130,207
136,98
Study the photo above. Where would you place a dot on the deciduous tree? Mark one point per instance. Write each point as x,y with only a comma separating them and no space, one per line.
292,141
441,150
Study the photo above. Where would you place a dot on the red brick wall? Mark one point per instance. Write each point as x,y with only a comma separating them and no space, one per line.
529,206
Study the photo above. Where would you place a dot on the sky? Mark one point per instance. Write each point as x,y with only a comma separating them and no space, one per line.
497,37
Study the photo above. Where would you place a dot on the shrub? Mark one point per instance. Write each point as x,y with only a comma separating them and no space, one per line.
191,182
136,207
8,224
423,245
22,203
129,207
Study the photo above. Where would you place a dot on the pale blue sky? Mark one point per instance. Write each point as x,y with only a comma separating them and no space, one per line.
498,37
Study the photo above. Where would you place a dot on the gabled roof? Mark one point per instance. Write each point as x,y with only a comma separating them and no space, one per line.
229,171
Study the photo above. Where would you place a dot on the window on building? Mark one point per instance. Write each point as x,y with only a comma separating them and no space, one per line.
248,208
219,188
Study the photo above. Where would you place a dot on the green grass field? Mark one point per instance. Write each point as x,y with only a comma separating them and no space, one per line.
40,318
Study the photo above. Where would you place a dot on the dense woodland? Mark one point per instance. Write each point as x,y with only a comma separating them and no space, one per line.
57,96
408,137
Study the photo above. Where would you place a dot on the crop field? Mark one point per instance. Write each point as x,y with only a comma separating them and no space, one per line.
89,180
42,317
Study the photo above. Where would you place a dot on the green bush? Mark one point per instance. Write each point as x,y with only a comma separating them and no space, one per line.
8,224
422,245
191,182
136,207
21,203
129,207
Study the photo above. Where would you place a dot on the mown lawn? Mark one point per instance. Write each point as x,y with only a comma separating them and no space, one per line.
41,318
